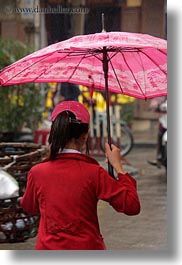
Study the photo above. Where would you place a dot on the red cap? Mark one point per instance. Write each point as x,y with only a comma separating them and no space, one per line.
75,107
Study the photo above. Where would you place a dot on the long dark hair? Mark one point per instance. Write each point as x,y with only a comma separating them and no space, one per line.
63,129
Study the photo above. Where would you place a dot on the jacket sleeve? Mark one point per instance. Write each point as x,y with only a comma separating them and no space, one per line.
121,194
29,201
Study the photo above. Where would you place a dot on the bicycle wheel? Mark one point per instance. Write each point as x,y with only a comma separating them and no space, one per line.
125,142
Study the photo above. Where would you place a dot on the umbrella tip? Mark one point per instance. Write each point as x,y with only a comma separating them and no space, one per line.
103,23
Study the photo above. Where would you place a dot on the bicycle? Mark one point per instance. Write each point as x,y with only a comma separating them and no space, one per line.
121,135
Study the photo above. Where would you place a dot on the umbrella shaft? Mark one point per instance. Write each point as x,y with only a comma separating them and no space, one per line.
105,69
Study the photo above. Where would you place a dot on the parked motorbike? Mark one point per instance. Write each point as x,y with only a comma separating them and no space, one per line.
163,125
161,158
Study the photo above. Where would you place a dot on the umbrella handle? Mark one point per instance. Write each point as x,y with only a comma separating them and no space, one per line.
110,167
111,170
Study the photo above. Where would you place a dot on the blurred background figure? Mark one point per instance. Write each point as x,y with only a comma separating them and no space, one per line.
58,92
50,99
68,91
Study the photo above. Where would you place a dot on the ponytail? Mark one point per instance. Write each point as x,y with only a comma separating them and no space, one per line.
63,129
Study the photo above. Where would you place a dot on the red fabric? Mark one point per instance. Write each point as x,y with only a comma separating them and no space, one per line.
66,192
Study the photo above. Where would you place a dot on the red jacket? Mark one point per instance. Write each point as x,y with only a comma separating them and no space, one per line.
65,192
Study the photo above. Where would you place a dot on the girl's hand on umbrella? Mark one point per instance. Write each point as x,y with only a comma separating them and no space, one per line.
113,155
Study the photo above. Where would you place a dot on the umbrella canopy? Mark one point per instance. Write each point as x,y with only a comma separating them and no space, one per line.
137,64
129,63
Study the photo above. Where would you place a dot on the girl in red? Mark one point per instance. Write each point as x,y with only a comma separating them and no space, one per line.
65,188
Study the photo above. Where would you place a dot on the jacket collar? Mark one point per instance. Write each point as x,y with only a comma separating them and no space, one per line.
75,156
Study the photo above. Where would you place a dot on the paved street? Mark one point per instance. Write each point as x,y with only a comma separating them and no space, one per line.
148,230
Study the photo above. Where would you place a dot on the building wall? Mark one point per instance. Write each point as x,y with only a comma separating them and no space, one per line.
17,25
153,17
131,19
13,30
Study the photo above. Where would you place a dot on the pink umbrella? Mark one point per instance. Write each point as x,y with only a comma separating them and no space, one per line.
137,63
129,63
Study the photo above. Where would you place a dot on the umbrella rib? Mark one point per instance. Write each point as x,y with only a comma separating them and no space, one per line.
153,60
86,54
50,66
109,59
92,53
116,76
29,67
21,71
133,75
77,67
58,62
